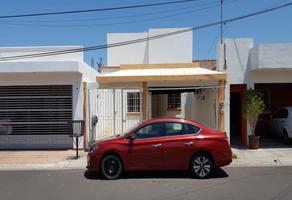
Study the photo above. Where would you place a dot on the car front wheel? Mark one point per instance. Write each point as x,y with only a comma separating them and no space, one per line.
202,166
111,167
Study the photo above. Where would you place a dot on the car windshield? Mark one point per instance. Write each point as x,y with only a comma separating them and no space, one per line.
129,129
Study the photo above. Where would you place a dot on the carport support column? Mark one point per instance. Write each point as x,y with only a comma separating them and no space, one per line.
145,101
221,97
85,94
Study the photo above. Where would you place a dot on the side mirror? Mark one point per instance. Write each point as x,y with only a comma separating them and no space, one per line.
130,137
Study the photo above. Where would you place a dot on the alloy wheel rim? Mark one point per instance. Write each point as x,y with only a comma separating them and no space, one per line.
202,166
111,167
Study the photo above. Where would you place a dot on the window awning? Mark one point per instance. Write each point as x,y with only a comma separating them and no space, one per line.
161,74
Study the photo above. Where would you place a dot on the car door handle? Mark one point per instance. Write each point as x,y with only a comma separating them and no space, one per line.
189,143
156,145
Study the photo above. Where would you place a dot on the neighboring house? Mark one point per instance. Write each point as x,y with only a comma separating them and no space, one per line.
38,96
156,78
265,67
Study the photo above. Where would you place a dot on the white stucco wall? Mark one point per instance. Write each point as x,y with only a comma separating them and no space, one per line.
271,56
173,49
204,108
271,76
129,54
237,57
263,63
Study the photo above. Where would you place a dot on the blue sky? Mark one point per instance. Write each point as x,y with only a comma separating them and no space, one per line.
91,29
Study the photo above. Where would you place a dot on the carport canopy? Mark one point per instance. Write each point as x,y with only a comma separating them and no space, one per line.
160,74
166,73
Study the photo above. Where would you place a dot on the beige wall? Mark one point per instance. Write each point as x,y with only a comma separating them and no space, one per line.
159,107
200,108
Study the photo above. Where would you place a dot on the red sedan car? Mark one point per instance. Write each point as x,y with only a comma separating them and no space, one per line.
161,144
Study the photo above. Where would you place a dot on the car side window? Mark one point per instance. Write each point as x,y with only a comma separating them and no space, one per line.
150,131
175,128
280,114
284,113
276,115
191,129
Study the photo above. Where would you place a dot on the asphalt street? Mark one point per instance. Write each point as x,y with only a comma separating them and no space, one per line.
227,183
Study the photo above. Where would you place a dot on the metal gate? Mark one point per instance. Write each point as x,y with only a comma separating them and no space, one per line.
35,116
110,112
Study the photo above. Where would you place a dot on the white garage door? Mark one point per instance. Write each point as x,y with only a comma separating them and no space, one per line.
35,117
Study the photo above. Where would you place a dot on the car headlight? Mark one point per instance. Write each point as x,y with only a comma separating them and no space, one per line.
93,148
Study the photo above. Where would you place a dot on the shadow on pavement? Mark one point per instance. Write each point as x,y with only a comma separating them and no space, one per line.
218,173
91,175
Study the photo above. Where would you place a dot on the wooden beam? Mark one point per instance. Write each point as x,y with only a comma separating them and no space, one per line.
121,79
221,101
160,66
145,101
84,113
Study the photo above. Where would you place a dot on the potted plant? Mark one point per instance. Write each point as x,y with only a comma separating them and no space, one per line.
254,106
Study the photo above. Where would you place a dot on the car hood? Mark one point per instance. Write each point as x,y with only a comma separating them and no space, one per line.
107,139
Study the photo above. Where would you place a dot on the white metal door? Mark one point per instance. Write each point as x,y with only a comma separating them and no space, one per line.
92,96
111,109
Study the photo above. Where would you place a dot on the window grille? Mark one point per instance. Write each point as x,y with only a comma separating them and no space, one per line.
174,101
133,102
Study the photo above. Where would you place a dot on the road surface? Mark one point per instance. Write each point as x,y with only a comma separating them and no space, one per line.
227,183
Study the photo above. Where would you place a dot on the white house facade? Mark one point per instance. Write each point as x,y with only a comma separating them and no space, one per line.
264,67
158,78
38,96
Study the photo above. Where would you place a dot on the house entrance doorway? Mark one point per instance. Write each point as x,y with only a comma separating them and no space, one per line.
235,119
238,129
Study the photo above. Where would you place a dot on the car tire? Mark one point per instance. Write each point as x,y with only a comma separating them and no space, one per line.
202,166
111,167
286,138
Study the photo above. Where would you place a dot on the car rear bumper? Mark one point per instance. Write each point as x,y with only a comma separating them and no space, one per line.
224,158
224,162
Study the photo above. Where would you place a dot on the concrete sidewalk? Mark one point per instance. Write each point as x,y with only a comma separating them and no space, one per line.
42,160
262,157
56,160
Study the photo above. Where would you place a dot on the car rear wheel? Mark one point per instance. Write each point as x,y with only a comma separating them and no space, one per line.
202,166
111,167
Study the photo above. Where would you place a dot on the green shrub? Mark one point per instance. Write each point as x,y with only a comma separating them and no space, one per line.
253,107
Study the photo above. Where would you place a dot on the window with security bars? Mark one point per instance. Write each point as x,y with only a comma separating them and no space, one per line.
133,102
174,101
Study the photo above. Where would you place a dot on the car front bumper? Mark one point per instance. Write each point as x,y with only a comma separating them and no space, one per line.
92,162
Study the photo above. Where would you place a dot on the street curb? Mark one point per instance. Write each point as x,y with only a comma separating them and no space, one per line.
65,165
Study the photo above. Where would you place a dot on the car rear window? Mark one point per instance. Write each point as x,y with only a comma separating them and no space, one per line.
191,129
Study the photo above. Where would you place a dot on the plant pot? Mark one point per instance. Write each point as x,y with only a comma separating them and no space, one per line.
254,141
